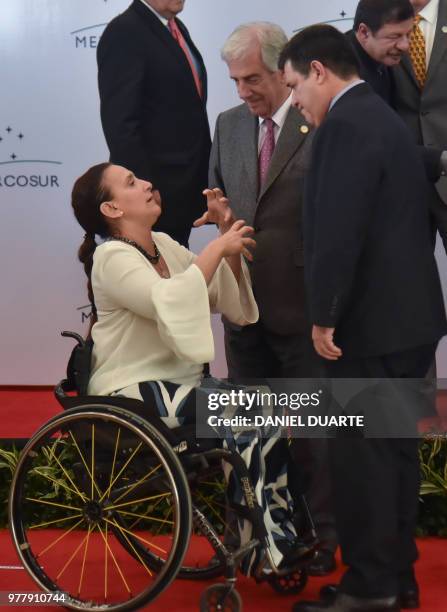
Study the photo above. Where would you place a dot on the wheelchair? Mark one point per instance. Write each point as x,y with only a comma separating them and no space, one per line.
105,499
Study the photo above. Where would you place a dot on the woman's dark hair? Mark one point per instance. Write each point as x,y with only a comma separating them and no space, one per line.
377,13
86,197
323,43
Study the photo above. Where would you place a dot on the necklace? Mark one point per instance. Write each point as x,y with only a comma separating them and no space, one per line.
154,259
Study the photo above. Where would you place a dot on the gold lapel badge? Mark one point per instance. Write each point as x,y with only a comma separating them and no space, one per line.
304,129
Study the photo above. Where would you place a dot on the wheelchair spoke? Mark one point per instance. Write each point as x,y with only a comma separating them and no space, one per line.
81,578
73,555
164,521
49,503
92,494
153,508
214,511
114,559
109,488
53,456
216,484
114,458
136,484
145,517
123,531
137,501
138,537
85,463
67,475
59,483
59,520
57,540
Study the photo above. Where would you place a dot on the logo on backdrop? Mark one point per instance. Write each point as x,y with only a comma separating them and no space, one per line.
343,22
15,162
86,312
88,37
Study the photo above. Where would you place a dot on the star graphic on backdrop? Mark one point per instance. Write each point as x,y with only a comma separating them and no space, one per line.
20,135
8,129
343,14
1,138
13,156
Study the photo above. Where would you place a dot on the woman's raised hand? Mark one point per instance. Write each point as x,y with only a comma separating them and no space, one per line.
218,212
236,240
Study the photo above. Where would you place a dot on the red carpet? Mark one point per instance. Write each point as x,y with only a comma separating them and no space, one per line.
25,411
184,596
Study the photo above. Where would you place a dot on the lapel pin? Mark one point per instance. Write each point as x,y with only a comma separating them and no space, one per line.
304,129
444,29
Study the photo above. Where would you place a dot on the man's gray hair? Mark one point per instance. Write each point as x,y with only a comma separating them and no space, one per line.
270,36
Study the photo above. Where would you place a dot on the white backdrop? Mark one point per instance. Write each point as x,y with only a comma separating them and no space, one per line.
50,133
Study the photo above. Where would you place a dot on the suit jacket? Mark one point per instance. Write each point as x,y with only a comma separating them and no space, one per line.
153,118
369,259
380,78
425,112
275,211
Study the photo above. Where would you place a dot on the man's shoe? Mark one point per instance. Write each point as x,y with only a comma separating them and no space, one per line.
348,603
322,564
408,598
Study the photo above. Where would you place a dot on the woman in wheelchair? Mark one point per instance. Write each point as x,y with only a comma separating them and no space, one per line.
152,300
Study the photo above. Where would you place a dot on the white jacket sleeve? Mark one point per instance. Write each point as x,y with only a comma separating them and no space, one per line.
235,301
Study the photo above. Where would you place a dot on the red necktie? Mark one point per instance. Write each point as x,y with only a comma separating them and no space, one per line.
268,146
176,33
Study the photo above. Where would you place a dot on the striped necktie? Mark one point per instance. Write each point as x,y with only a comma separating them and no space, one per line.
417,52
176,33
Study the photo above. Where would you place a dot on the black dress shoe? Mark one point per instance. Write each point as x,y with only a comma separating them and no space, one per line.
348,603
322,564
408,598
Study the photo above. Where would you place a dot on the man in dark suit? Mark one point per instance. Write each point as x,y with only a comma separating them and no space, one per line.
259,158
152,86
375,301
420,94
381,40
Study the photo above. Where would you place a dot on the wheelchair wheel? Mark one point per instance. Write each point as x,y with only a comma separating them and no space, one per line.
87,481
289,584
212,599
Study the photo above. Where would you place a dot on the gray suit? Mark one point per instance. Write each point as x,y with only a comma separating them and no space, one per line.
279,345
275,212
425,112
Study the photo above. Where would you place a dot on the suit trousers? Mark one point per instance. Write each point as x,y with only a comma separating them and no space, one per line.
376,487
255,353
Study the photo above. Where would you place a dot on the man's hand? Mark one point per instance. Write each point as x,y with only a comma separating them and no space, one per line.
218,211
323,339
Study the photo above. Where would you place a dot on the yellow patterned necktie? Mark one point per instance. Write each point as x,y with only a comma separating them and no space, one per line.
417,52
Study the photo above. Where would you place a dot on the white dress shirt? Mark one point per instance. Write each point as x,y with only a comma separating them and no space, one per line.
344,90
163,20
278,119
429,18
